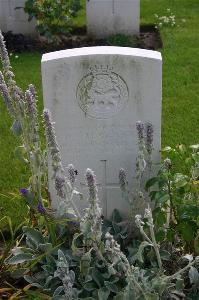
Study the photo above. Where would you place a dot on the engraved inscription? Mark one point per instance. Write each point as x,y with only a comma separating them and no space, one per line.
102,93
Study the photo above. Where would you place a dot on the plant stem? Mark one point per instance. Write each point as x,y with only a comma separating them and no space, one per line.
156,247
182,270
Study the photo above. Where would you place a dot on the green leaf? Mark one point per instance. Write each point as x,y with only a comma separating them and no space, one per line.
170,235
160,235
45,247
19,259
182,149
97,277
34,235
116,217
187,230
90,286
195,157
103,293
85,264
152,195
20,153
152,181
29,279
149,296
120,296
196,243
159,283
165,255
111,286
161,197
180,180
116,228
179,284
129,293
58,291
159,216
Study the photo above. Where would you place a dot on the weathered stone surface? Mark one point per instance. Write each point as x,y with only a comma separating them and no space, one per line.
109,17
15,20
96,95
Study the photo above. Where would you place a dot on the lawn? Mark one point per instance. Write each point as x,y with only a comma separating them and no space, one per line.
180,94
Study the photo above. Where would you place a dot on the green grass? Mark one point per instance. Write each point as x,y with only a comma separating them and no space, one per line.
180,94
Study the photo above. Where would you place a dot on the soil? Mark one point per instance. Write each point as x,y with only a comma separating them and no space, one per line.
149,38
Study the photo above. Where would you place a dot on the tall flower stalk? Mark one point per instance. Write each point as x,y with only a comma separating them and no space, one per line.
140,162
116,257
31,132
151,240
91,225
149,143
63,186
22,108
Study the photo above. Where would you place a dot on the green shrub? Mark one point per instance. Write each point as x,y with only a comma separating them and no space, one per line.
54,17
176,196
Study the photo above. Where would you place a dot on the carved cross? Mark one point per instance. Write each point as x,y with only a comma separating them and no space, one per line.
104,185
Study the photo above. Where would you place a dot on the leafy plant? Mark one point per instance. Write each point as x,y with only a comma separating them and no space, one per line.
54,17
176,196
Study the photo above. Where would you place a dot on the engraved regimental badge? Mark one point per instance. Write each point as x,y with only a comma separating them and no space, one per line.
102,93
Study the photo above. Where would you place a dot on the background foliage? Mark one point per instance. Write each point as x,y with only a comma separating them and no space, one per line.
54,17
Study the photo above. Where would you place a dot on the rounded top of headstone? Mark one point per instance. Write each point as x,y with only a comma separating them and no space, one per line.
102,50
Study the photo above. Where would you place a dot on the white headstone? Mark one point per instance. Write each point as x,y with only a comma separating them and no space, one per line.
96,95
15,20
110,17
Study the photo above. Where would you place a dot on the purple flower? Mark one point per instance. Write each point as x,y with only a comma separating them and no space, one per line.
24,192
91,182
71,174
4,53
59,186
30,104
40,208
140,130
6,95
32,89
51,141
149,137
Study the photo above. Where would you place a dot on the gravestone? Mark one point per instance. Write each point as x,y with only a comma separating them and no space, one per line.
110,17
15,20
96,95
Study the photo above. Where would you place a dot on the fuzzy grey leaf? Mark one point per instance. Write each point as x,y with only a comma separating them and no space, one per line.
193,275
103,293
19,259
